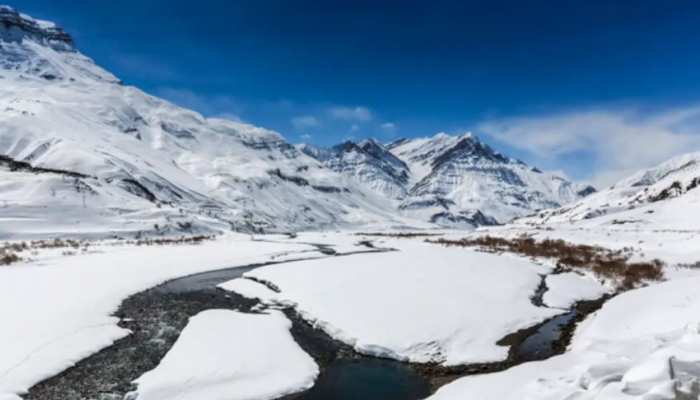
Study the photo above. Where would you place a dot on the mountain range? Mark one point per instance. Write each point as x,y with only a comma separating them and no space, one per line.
82,151
449,180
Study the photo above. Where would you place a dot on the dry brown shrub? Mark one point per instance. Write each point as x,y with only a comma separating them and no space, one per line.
8,257
604,263
166,241
399,235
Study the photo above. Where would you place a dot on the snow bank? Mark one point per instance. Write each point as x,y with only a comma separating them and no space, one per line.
643,344
57,310
425,303
563,290
229,355
653,310
250,289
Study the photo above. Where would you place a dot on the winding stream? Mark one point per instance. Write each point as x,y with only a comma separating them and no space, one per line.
157,316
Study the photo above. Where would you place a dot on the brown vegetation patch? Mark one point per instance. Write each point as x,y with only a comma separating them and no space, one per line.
165,241
56,244
8,257
399,235
9,252
604,263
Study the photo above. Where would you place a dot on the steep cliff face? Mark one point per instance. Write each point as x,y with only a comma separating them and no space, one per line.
35,48
15,27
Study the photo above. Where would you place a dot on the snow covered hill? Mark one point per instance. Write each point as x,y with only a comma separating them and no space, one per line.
450,180
662,197
82,152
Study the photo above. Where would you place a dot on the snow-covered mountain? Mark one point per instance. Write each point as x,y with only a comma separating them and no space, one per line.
81,152
661,197
367,162
449,180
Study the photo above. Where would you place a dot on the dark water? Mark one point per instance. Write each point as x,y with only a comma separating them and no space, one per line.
364,378
345,375
203,281
539,345
367,379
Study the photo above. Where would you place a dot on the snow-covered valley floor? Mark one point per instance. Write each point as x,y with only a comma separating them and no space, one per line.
586,295
421,303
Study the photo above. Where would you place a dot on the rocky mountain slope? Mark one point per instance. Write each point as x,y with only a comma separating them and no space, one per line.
662,197
449,180
368,163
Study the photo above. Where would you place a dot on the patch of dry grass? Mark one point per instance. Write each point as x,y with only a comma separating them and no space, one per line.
604,263
10,252
168,241
56,244
399,235
8,257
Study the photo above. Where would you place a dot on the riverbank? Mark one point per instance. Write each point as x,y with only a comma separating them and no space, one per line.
156,317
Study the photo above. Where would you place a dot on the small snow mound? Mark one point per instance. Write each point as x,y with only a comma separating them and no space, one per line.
224,354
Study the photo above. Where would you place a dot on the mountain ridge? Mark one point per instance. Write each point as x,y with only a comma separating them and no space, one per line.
434,171
659,196
100,156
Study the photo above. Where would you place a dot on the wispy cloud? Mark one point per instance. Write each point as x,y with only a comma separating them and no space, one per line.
357,114
229,116
620,141
219,106
388,128
304,122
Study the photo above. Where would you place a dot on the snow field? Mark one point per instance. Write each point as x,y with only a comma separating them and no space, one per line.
424,303
643,344
59,307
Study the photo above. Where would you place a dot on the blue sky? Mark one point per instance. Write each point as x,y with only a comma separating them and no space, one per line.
524,76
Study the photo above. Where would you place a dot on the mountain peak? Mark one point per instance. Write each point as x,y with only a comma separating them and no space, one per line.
32,48
444,136
469,146
15,27
370,141
346,146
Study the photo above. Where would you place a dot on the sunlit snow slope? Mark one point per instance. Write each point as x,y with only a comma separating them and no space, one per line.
663,197
79,151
